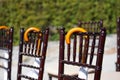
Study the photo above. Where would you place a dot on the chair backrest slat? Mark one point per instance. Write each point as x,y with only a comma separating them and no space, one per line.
74,48
85,52
68,52
80,48
92,49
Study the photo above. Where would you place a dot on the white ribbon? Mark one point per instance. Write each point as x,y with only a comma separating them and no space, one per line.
83,73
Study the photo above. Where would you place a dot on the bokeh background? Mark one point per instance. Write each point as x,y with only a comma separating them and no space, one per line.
57,13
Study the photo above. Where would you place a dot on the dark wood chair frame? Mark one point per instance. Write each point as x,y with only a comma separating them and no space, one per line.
91,26
118,45
100,51
6,43
34,51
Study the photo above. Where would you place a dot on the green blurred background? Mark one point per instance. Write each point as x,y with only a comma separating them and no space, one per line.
57,13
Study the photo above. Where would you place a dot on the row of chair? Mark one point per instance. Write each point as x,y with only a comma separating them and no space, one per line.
85,50
33,43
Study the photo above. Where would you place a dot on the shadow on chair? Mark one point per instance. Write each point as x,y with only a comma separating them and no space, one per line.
33,44
84,51
6,48
92,26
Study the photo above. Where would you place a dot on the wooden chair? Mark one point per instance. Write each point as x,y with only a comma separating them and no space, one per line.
6,48
118,45
91,26
33,44
87,52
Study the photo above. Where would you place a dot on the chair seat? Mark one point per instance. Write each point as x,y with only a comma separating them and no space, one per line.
71,70
107,76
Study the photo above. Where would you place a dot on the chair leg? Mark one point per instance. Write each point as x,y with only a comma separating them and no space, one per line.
117,66
50,77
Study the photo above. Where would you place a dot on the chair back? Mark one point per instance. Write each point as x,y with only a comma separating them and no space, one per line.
33,44
6,48
75,52
91,26
118,45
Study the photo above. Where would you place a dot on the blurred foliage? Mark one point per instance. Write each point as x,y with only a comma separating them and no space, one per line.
57,13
